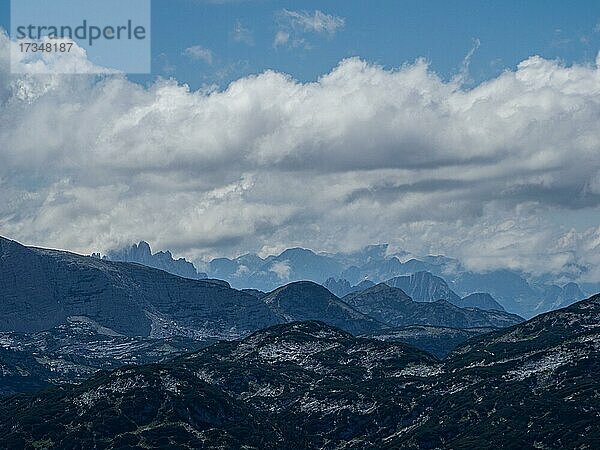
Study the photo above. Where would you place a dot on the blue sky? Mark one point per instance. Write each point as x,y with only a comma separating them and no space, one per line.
240,36
386,32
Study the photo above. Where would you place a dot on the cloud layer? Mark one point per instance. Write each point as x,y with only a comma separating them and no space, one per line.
363,155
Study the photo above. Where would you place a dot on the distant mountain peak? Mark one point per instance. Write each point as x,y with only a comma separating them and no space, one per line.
143,247
425,287
141,253
342,273
384,287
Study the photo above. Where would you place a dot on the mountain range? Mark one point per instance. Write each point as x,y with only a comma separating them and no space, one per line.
343,273
533,385
42,288
393,306
97,353
65,316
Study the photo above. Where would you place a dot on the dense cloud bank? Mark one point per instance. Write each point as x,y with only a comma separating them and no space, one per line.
362,155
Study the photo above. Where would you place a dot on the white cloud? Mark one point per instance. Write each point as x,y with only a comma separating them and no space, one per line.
199,53
281,38
242,34
282,269
316,22
463,76
362,155
294,24
165,65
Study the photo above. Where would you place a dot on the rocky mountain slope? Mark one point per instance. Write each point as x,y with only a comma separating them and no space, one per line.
42,288
303,383
439,341
74,351
343,287
425,287
534,385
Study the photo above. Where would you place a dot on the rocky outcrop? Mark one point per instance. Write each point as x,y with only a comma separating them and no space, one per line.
142,254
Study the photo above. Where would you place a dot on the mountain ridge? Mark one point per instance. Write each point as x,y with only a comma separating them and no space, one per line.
396,308
42,287
514,291
320,387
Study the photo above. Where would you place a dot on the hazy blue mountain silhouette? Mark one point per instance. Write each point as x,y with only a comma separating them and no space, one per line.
481,300
342,272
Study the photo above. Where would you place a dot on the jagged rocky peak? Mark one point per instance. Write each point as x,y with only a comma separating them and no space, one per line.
143,248
141,253
339,287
